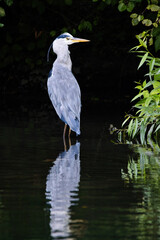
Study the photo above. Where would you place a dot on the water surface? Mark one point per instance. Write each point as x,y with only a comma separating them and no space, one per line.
93,190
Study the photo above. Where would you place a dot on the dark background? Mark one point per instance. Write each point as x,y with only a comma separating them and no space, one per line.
104,68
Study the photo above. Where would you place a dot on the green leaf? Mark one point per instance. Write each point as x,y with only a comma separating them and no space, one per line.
1,25
143,59
150,131
134,15
153,7
147,22
135,21
52,33
151,41
157,128
85,25
122,7
140,18
155,91
130,6
135,128
130,126
144,83
148,84
2,12
157,43
143,43
145,94
151,65
9,2
137,96
148,100
139,87
143,128
155,25
125,121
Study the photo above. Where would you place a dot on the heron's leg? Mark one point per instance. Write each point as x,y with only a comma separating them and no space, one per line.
65,146
69,139
69,133
64,131
64,140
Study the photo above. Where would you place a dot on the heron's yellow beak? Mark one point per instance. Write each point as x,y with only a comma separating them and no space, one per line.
79,40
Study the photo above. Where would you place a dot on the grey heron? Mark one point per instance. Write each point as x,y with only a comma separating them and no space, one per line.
63,89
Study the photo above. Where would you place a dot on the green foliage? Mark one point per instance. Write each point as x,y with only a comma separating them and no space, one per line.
2,11
146,122
85,25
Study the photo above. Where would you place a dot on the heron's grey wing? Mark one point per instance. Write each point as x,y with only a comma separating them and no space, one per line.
64,92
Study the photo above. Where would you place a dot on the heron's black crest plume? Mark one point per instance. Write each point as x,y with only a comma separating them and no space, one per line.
48,52
63,35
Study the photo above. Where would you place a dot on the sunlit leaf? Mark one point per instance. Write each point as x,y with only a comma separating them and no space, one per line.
153,7
148,84
147,22
143,60
135,21
134,15
125,121
137,96
148,100
155,25
140,17
144,83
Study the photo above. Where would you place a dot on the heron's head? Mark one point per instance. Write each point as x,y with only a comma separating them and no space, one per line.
68,39
63,40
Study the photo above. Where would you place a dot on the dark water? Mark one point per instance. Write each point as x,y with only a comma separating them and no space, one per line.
94,190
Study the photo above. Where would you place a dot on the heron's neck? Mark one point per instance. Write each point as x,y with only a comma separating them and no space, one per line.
63,57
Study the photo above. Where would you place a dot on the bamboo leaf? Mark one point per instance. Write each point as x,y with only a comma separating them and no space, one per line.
157,128
148,84
147,102
135,128
129,130
143,60
125,121
137,96
142,132
151,65
150,131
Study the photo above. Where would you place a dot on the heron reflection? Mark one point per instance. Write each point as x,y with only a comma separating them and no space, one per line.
62,190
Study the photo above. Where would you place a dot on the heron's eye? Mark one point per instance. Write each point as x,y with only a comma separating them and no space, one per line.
67,38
